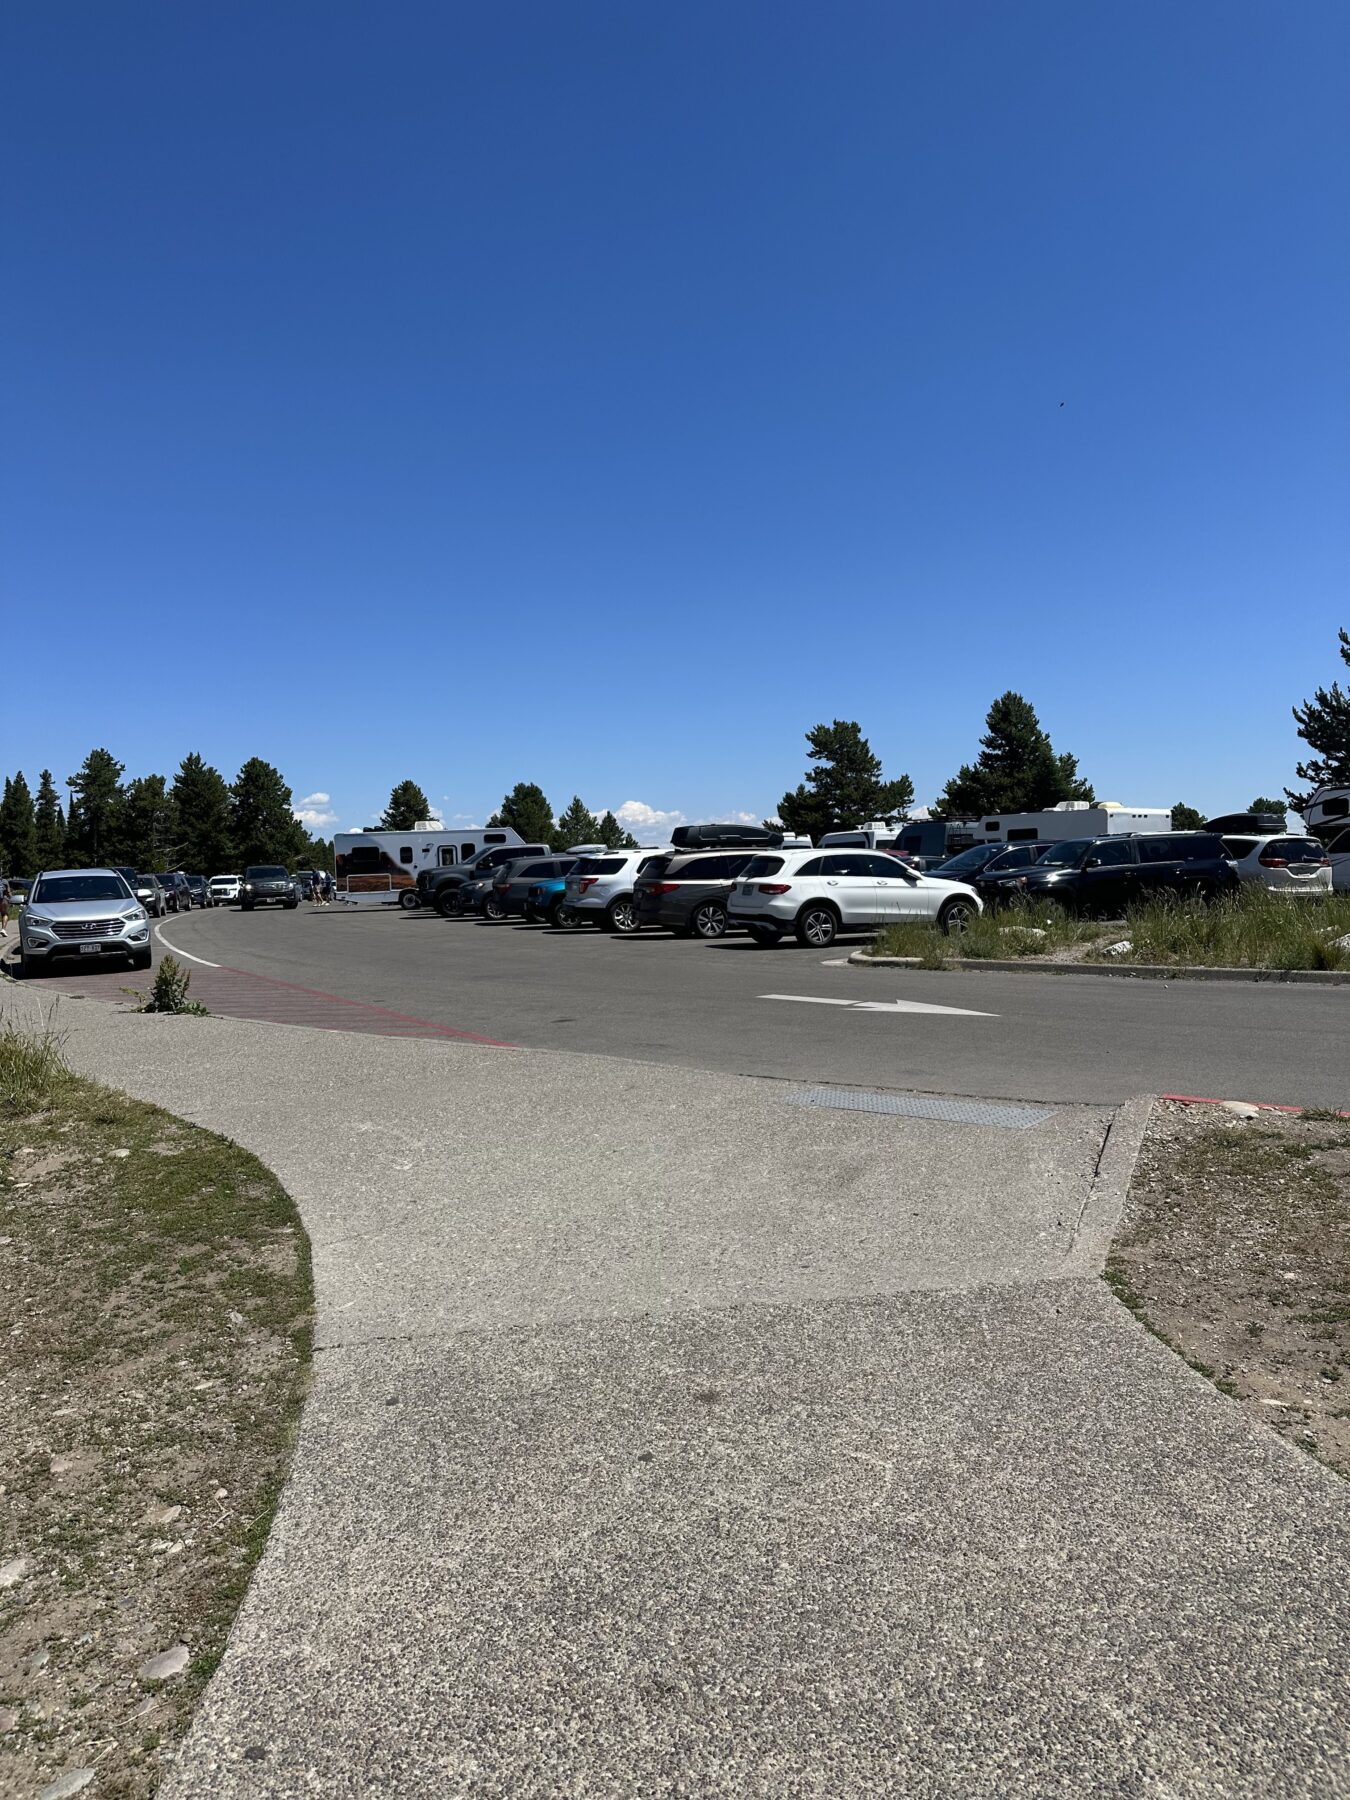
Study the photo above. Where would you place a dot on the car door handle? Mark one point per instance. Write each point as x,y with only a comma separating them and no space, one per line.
830,883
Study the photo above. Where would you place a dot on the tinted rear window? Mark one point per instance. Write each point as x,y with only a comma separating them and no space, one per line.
1240,847
608,865
711,868
762,865
1296,850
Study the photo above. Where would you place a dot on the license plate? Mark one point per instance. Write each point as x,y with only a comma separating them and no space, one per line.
90,949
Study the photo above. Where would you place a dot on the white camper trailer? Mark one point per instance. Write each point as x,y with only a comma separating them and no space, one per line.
1070,819
380,868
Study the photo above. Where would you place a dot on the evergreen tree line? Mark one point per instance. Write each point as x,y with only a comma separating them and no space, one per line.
198,821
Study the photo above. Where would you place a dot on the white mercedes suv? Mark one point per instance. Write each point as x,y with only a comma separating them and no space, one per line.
819,893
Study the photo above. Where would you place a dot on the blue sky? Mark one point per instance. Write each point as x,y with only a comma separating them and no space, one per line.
601,395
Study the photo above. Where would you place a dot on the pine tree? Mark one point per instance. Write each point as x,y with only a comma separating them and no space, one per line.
50,823
407,808
1264,804
1186,818
149,838
93,829
201,797
526,808
18,832
845,789
263,826
1017,769
577,825
1324,725
612,835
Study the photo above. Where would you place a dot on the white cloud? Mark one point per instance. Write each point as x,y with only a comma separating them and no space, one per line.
636,816
316,800
314,818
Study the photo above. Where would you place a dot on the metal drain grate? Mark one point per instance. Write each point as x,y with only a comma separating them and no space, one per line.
915,1106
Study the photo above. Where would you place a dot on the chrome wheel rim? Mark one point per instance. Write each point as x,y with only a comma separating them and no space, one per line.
819,928
710,921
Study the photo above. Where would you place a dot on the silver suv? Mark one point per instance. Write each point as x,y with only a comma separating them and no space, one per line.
599,890
88,914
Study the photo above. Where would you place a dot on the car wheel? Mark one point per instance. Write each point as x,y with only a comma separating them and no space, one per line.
448,903
709,920
408,900
562,918
621,915
493,909
956,917
765,935
141,960
817,927
29,967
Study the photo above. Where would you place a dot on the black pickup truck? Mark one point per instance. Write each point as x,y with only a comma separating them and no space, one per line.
440,887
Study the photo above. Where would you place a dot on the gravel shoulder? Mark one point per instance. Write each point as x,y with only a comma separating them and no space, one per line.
153,1357
1235,1250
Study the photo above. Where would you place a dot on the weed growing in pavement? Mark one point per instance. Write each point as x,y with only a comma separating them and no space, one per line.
1256,929
170,991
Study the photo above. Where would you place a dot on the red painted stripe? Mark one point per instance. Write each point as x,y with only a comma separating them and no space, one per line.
368,1006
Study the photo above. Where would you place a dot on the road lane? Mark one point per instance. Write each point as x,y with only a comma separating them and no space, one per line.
700,1005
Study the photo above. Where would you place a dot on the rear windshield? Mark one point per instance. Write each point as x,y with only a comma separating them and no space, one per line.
602,865
55,888
1069,855
267,872
762,865
1296,850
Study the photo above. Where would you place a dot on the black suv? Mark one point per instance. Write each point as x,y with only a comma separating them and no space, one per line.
1106,875
687,894
996,882
440,887
268,884
176,891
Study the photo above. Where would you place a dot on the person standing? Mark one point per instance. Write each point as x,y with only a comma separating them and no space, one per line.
4,904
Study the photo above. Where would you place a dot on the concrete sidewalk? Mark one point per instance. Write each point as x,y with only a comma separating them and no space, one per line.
671,1438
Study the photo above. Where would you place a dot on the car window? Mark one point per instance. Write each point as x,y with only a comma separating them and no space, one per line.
967,862
609,865
53,889
264,872
849,863
1179,849
880,867
1238,847
1298,850
764,865
1009,859
1335,809
703,868
1111,856
532,871
1068,855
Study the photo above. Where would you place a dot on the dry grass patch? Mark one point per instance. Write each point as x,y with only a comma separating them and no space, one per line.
153,1356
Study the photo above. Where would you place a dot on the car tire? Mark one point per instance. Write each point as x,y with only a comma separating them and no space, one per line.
408,900
141,960
493,909
956,916
562,918
708,921
817,925
290,905
765,935
449,904
621,916
29,968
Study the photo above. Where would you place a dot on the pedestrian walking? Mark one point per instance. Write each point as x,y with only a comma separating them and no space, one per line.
4,905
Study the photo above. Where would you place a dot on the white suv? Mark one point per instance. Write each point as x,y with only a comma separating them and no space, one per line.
223,890
1284,864
599,889
818,894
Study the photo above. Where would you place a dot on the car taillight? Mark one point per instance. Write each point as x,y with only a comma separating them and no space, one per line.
1273,862
587,881
662,887
774,887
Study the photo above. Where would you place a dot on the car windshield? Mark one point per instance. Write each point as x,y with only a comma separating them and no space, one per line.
53,889
969,861
1066,856
268,873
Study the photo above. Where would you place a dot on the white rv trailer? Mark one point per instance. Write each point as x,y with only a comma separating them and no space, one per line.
377,868
1328,812
1070,819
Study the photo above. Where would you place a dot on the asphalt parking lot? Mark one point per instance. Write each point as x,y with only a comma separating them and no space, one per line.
786,1013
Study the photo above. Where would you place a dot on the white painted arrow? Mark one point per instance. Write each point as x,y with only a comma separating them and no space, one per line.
882,1006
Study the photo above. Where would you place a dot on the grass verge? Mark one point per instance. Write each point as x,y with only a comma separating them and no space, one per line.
1254,930
153,1359
1235,1250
